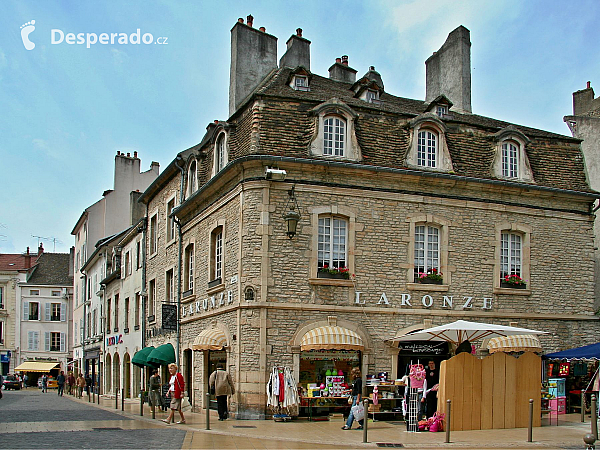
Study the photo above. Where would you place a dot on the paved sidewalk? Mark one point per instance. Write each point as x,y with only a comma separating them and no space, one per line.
301,433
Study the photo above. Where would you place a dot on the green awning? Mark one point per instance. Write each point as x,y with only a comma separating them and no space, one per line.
163,355
140,358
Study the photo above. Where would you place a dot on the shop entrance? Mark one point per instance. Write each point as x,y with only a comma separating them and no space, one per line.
215,357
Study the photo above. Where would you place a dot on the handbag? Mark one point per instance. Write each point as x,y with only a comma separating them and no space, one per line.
350,400
358,411
185,404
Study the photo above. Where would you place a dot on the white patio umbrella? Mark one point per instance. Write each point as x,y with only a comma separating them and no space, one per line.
462,330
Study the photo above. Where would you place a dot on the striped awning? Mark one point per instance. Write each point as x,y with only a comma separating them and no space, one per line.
210,339
37,366
515,343
331,337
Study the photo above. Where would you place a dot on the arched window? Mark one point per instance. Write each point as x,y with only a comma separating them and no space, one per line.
427,149
220,153
333,237
334,136
510,159
192,185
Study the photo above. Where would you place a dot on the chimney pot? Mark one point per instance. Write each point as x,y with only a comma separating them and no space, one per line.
263,29
589,85
345,60
128,155
240,20
135,154
216,120
338,60
250,20
299,32
118,153
371,67
28,250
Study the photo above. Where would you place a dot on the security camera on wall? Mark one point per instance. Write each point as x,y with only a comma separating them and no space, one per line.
275,174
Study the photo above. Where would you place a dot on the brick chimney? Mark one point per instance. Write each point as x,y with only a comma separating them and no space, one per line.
40,249
340,71
449,71
298,52
253,56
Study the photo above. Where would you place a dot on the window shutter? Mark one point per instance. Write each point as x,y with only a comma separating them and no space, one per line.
62,342
47,341
63,313
25,310
48,307
36,340
30,340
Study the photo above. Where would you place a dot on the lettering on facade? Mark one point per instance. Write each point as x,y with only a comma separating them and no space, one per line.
206,304
114,340
427,300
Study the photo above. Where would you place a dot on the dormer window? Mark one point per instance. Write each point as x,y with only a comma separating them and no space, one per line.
511,159
220,153
300,83
441,110
192,178
334,131
372,96
334,136
428,147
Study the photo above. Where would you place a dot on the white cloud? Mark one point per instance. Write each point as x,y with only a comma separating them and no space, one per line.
42,145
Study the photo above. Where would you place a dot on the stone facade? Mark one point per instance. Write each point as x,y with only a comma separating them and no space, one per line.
262,291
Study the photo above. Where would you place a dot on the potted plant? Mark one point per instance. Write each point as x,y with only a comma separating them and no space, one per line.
513,281
340,273
432,276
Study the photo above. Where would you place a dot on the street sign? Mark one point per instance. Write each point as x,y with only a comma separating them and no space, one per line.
169,317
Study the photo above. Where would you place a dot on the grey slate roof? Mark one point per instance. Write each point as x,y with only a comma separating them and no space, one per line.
51,269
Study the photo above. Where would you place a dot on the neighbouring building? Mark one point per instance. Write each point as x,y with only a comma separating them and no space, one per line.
585,124
44,308
108,216
13,269
326,216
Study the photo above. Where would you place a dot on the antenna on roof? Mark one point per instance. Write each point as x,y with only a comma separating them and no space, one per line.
53,239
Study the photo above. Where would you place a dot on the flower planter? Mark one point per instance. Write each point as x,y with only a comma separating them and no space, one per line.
335,276
214,283
426,280
504,284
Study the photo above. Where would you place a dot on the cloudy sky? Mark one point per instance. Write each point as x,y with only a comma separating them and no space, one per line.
65,109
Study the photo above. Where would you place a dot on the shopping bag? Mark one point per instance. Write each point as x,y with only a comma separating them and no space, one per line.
185,404
358,411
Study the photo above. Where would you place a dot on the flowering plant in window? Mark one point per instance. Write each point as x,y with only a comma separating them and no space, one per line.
514,280
341,272
431,276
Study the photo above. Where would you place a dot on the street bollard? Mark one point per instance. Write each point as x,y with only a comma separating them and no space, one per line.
93,394
365,420
208,410
98,393
448,409
153,407
594,417
122,399
116,399
589,440
142,403
582,406
530,428
88,392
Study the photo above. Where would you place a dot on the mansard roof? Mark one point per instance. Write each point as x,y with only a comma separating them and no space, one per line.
51,269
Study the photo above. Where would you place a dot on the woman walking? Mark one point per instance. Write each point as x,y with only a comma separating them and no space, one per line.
356,394
177,386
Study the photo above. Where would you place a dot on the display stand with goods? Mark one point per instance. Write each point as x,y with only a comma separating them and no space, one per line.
282,394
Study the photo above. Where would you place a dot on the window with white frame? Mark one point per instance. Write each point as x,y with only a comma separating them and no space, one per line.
427,148
56,293
510,159
34,292
126,272
55,341
154,234
55,311
192,178
510,254
169,286
151,300
216,254
170,220
33,339
31,310
427,250
441,110
334,136
188,276
220,152
116,312
332,242
300,83
108,312
372,96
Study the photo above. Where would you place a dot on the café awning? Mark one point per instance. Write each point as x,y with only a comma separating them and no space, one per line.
162,355
515,343
331,337
140,358
210,339
37,366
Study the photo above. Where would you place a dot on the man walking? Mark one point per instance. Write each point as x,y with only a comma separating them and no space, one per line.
80,385
70,383
25,380
221,382
45,383
155,399
61,383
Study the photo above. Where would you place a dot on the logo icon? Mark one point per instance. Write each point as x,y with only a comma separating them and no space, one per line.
26,30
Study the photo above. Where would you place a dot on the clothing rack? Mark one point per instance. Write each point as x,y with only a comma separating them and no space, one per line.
282,394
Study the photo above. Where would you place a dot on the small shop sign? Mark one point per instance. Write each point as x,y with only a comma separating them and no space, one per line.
465,302
424,348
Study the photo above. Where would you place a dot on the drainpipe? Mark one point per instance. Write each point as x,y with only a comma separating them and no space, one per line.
143,296
84,293
179,163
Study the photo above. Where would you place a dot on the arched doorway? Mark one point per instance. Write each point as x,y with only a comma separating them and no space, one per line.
107,374
188,371
116,373
127,375
137,378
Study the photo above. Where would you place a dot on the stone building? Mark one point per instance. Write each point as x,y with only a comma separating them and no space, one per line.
326,216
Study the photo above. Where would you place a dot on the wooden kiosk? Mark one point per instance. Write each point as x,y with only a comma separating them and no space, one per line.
492,392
